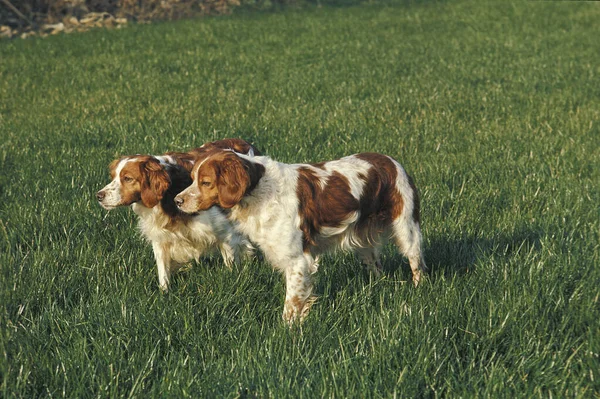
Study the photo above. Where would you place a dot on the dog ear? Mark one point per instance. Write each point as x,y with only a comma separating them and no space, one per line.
232,181
155,182
236,178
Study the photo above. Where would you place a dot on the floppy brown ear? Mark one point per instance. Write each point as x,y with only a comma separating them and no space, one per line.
236,178
232,181
155,182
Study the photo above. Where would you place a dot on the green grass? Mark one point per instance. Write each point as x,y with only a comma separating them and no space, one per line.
494,109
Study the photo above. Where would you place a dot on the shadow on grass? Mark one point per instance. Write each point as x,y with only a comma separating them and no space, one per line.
444,256
448,256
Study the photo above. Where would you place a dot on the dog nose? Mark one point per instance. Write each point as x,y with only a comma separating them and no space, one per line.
100,195
178,201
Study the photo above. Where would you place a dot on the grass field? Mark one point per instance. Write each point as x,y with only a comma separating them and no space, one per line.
493,109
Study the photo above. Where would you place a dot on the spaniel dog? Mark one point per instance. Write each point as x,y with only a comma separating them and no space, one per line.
294,213
150,183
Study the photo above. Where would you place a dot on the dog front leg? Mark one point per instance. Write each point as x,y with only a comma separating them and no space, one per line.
162,254
298,299
230,254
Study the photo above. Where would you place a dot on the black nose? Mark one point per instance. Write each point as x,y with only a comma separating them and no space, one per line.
100,195
178,201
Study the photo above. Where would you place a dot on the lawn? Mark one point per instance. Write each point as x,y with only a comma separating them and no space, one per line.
494,109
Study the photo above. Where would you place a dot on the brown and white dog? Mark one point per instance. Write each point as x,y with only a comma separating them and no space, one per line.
150,183
294,213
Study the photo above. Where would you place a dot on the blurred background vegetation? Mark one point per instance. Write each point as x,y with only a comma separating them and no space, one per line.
20,13
24,18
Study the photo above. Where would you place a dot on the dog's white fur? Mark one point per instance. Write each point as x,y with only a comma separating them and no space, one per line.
180,239
176,244
270,215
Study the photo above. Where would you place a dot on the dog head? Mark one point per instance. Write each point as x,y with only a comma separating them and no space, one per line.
137,178
222,178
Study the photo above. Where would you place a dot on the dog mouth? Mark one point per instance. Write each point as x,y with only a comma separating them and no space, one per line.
106,206
184,213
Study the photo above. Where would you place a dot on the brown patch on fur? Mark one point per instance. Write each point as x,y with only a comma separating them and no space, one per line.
297,303
380,203
297,310
320,207
380,196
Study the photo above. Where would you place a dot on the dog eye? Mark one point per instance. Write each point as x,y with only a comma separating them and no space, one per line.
206,183
128,179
